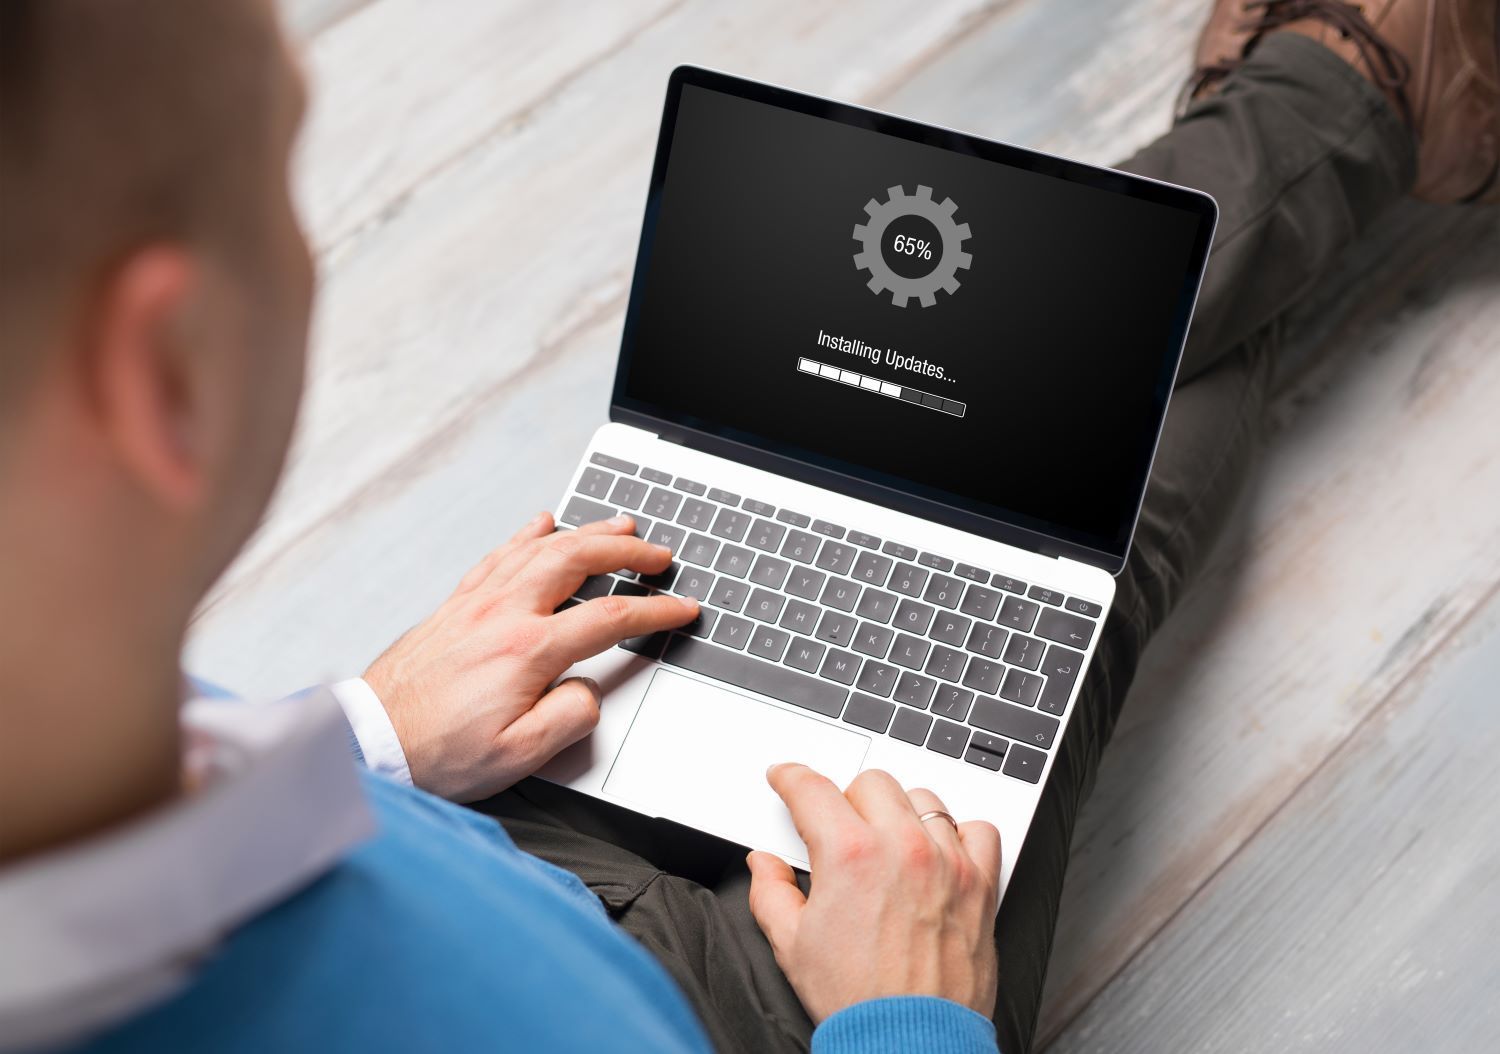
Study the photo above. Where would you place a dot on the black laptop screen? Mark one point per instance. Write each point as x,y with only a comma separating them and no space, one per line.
963,329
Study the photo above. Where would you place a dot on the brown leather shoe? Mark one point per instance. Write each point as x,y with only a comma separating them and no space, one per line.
1438,61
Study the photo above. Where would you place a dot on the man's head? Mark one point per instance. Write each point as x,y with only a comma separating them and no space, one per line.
154,299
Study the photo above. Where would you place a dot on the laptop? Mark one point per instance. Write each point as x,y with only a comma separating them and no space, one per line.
891,394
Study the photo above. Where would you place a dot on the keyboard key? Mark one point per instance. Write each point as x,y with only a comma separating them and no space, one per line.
840,666
980,602
951,629
734,561
642,525
662,503
1014,722
662,581
837,557
878,679
948,738
1021,687
1010,585
694,583
914,690
872,569
869,541
1083,607
731,524
1061,667
832,530
986,751
943,591
733,632
1025,652
945,663
836,628
877,606
618,464
580,511
805,654
952,702
972,573
984,676
729,594
628,493
768,642
765,606
746,672
1060,626
910,726
769,571
873,640
913,617
941,563
805,583
656,475
986,639
800,546
840,593
723,496
703,625
868,712
759,508
1046,596
908,580
696,515
910,652
800,617
765,536
666,534
689,486
796,519
595,483
699,549
648,645
899,551
1018,614
595,586
1024,763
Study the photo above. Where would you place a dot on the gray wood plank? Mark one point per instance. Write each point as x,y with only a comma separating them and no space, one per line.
1365,916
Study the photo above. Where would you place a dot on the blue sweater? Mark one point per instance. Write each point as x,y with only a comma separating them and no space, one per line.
440,934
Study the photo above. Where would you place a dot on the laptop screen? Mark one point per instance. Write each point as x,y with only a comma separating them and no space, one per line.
979,334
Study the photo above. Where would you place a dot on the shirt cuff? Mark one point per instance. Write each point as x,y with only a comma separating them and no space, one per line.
905,1023
372,728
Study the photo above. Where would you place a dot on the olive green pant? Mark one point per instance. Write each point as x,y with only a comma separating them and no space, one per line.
1301,154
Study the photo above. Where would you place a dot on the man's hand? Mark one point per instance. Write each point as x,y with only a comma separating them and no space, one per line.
898,906
470,690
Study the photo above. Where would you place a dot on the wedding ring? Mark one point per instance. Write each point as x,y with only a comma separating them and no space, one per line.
935,813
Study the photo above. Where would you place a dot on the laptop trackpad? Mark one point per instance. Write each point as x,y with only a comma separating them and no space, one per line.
698,753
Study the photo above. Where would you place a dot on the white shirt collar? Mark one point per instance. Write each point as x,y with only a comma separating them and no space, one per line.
97,930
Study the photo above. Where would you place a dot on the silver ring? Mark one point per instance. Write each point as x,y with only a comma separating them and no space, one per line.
934,814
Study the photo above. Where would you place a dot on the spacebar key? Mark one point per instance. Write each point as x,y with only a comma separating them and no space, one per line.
756,675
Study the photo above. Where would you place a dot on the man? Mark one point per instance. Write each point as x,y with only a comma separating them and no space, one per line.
217,874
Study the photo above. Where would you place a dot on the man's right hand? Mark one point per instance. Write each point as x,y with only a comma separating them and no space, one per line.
898,906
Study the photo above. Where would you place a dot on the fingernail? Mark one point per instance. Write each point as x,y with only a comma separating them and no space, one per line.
593,685
620,521
539,517
663,549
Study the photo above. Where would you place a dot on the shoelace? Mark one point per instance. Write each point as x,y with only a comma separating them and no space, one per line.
1388,67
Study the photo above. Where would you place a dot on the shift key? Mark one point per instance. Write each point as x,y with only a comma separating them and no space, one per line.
1013,722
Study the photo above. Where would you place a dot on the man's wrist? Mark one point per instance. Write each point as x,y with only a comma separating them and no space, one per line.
372,729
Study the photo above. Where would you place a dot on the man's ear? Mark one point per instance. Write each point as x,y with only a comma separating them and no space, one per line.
140,372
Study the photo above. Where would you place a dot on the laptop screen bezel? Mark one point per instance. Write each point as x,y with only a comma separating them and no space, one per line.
976,517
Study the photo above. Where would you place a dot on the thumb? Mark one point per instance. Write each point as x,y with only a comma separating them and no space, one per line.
558,719
775,899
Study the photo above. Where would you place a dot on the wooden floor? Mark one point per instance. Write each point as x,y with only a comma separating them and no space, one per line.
1293,841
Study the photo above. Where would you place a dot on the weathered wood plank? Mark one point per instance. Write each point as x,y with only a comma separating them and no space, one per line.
1366,914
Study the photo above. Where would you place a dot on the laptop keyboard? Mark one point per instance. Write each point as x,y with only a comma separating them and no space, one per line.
949,657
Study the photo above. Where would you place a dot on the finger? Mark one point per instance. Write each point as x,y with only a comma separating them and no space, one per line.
558,719
819,809
521,555
981,841
560,565
938,829
877,797
589,628
776,901
539,526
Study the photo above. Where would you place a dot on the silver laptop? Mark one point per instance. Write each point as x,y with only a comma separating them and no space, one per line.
891,393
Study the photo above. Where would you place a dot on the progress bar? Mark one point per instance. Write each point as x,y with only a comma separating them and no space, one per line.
879,387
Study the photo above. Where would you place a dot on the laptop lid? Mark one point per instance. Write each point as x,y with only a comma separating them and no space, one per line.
967,331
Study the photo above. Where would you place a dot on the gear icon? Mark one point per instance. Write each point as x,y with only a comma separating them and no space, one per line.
952,236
